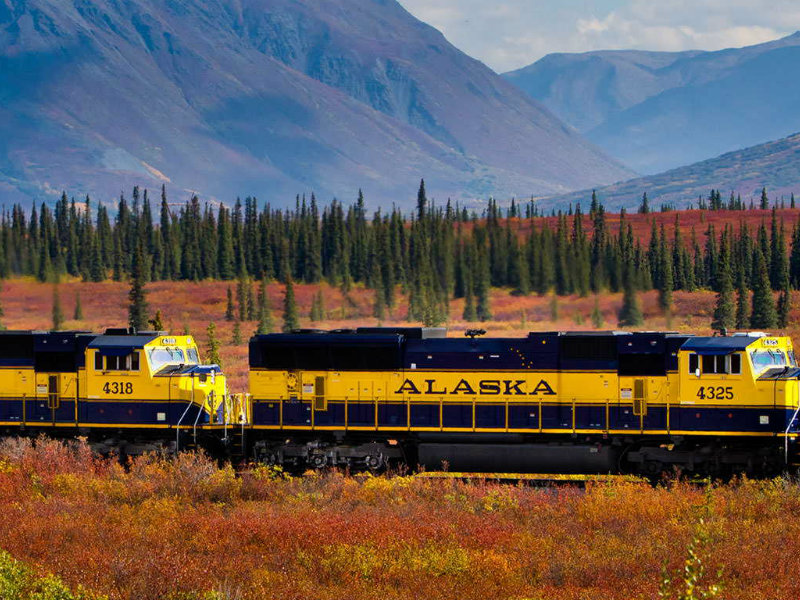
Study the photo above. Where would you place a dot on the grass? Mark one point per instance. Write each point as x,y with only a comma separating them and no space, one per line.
187,529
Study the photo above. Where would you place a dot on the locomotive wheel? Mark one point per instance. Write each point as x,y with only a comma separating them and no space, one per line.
374,462
318,461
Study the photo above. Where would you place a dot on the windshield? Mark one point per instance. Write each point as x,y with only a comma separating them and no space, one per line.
162,357
765,359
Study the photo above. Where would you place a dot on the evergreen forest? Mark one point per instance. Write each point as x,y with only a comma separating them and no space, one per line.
433,254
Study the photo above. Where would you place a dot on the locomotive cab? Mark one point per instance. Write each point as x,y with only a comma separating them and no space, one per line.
150,378
745,382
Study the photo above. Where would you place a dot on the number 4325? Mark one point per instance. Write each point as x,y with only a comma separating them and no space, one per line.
715,393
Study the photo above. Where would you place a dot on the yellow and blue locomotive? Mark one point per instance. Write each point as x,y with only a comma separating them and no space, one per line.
125,391
550,402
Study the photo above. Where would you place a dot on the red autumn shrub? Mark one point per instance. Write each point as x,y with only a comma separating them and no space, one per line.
185,528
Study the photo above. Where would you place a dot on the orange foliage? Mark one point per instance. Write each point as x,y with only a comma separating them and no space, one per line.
687,219
175,529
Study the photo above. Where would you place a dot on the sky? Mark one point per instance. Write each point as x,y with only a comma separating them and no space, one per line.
509,34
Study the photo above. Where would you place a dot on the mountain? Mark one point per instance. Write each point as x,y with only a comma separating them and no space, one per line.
266,97
774,165
659,110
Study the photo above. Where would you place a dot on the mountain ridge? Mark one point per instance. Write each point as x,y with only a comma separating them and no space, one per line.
660,110
774,165
249,97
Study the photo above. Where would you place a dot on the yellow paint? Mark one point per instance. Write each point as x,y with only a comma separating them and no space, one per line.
637,394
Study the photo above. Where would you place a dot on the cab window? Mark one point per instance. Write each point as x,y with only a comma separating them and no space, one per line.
725,364
129,362
710,364
164,356
735,363
766,359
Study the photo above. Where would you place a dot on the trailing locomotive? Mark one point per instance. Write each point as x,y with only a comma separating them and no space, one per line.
550,402
124,391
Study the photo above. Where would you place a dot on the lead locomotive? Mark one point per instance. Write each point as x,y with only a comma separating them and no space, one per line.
549,402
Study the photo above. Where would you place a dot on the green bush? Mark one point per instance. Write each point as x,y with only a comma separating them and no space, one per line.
19,582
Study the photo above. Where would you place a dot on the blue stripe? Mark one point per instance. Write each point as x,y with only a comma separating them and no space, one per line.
99,411
526,416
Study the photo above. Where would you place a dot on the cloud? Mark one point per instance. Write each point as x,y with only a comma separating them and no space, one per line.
508,34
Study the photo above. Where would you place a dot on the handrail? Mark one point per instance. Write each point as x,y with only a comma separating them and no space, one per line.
225,401
786,432
178,428
197,418
498,399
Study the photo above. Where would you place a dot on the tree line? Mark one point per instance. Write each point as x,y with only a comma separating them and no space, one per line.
432,255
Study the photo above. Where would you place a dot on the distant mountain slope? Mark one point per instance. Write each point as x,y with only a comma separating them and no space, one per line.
266,97
774,165
659,110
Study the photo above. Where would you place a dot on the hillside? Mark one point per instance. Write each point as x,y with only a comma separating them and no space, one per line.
774,165
269,98
659,110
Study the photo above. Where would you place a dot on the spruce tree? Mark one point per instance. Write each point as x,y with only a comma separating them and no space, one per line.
291,319
777,258
45,272
794,257
742,302
137,296
236,337
644,207
763,315
230,311
630,315
470,315
666,284
97,271
78,314
317,307
157,322
212,345
57,313
482,282
597,316
241,298
784,300
422,201
264,312
725,310
252,310
378,309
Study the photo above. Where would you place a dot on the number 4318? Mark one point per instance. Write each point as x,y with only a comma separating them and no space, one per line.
118,387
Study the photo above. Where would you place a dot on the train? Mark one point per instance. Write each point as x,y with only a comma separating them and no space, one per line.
371,398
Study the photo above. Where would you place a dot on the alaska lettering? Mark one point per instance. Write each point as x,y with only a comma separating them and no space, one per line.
485,387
